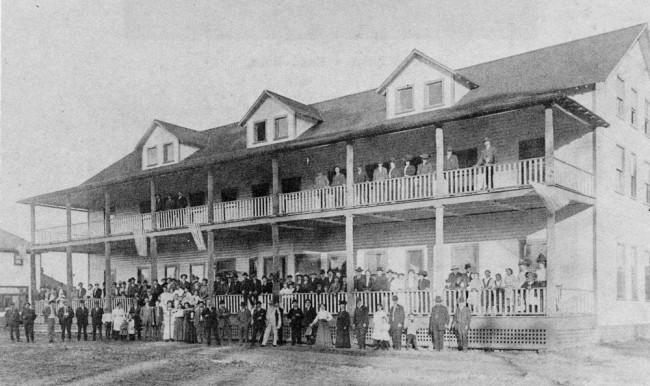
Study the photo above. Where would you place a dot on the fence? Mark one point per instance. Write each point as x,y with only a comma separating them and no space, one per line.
313,200
504,175
177,218
395,189
500,302
243,209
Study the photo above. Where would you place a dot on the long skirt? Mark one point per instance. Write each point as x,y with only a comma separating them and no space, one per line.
343,338
178,329
323,337
190,333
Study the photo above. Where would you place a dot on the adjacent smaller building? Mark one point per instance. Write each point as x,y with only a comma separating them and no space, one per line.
16,280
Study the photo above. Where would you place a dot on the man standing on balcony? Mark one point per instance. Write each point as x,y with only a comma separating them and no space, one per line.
358,280
360,321
361,175
160,205
247,288
462,319
437,323
97,293
488,159
181,201
425,167
423,282
409,170
380,173
81,291
396,320
451,161
394,171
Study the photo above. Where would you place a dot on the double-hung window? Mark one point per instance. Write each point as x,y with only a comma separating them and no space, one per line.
633,108
259,131
281,128
646,123
647,182
168,153
620,169
620,97
620,272
633,175
433,94
152,156
404,102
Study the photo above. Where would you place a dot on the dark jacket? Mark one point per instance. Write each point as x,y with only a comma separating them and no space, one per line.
360,318
223,314
439,318
247,286
309,315
64,320
96,315
396,316
13,317
259,318
97,293
296,317
462,318
244,317
210,316
28,316
82,316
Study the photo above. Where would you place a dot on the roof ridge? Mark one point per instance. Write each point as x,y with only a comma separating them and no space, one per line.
552,46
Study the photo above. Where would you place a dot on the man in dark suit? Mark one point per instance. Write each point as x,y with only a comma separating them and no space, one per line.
450,161
487,158
358,280
462,319
97,292
157,319
211,323
295,321
96,317
28,316
309,316
247,287
13,319
259,323
396,320
423,282
367,282
360,320
437,323
82,320
223,316
81,291
65,314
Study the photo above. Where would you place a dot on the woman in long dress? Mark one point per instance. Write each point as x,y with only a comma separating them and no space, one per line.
343,328
380,328
323,336
118,319
168,322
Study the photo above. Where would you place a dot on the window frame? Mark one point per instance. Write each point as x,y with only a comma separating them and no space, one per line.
634,116
647,182
633,175
621,265
620,97
634,278
164,148
177,268
205,272
139,269
19,260
620,170
255,132
422,249
646,121
646,276
398,99
427,94
275,127
221,261
155,151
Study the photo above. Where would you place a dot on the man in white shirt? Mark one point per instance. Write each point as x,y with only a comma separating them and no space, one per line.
273,323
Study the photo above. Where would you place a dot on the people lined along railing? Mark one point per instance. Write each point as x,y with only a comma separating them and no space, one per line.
40,305
395,189
497,176
177,218
572,301
500,302
331,301
573,177
243,209
313,200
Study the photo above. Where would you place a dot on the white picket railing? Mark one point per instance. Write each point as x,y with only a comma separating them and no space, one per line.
80,231
573,177
243,209
128,223
497,176
177,218
395,189
313,200
500,302
51,235
572,301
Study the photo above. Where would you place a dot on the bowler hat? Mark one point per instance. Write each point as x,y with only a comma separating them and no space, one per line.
183,276
424,273
395,297
438,299
424,155
342,301
359,269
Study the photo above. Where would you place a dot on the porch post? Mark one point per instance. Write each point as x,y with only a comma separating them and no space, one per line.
32,254
107,213
153,253
349,260
152,198
275,238
68,248
108,281
439,256
210,199
549,144
551,260
440,160
211,262
349,177
275,170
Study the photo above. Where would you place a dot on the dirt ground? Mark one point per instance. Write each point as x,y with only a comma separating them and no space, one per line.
136,363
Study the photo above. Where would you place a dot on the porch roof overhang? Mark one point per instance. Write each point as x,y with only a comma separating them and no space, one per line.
437,118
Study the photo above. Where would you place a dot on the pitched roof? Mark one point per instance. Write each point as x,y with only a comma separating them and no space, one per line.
522,80
11,242
185,136
297,107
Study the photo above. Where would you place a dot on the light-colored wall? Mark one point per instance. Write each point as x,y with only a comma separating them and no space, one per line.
160,137
268,111
621,218
14,275
418,74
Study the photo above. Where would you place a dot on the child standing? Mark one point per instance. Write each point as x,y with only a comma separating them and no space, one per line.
107,320
410,329
124,328
131,327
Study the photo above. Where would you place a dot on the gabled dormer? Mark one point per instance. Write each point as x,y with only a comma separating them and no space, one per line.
166,144
421,84
274,118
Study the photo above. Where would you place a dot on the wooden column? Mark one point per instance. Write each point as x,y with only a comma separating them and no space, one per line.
275,170
211,261
68,248
107,213
275,238
349,260
440,162
108,281
152,198
153,254
549,144
32,255
210,199
551,264
349,177
439,255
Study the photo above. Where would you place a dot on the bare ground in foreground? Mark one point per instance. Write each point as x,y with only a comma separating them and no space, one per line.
136,363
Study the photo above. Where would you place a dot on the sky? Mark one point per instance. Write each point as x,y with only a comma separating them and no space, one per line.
81,81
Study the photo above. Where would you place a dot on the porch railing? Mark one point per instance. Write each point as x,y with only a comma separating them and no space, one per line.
313,200
79,231
40,305
573,177
243,209
571,301
395,189
177,218
500,302
497,176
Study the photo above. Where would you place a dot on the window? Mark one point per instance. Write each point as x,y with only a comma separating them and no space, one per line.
227,265
144,273
465,254
18,259
647,183
647,275
532,148
404,101
268,266
620,168
168,153
376,259
307,264
197,271
335,260
152,156
415,260
646,124
466,158
434,94
633,107
620,97
633,171
252,267
290,185
281,128
633,273
259,131
260,190
229,194
620,272
171,271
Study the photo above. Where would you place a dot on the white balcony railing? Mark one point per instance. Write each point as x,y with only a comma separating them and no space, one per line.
395,189
496,302
79,231
243,209
572,301
177,218
313,200
573,177
497,176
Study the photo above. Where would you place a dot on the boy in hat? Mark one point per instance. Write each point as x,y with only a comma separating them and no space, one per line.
437,323
244,318
462,319
28,320
296,318
410,329
82,320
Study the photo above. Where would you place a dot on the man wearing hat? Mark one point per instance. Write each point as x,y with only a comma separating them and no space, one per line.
296,318
396,320
13,318
259,323
409,170
360,320
487,158
247,288
423,282
360,175
244,318
50,316
425,167
451,279
65,314
185,283
380,173
462,319
358,280
437,323
223,317
381,282
28,320
451,161
82,320
273,323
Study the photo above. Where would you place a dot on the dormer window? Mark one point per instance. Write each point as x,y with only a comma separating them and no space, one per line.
404,99
281,128
152,156
434,96
259,129
168,153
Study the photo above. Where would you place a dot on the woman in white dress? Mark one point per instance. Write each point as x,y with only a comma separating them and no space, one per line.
380,328
118,318
168,322
474,289
323,334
